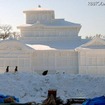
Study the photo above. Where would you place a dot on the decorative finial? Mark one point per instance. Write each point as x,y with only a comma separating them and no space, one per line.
39,6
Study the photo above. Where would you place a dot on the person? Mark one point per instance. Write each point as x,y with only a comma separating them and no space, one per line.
45,72
16,69
7,69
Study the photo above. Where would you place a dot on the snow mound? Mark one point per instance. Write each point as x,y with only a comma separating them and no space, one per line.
34,87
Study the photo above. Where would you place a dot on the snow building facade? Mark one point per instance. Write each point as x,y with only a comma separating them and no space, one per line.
52,44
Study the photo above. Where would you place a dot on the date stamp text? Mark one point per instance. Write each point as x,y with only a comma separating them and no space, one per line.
96,3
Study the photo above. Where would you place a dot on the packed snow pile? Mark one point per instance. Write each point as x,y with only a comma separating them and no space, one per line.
34,87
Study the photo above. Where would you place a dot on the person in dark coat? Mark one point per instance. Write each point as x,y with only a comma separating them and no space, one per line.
16,69
7,69
45,72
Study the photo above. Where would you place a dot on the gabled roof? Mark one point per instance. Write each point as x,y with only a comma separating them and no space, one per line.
95,43
62,22
14,45
53,23
37,24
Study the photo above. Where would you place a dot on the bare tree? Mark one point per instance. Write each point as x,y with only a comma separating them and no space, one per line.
97,35
16,35
5,31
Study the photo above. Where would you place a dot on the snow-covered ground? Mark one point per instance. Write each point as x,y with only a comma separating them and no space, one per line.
34,87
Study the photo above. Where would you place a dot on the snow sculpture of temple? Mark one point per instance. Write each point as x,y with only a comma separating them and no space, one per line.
52,44
42,27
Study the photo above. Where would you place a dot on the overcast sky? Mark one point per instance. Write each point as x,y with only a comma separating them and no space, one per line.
92,18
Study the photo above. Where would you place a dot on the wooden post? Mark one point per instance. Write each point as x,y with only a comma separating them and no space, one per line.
52,92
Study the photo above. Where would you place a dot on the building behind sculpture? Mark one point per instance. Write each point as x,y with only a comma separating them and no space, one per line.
52,44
